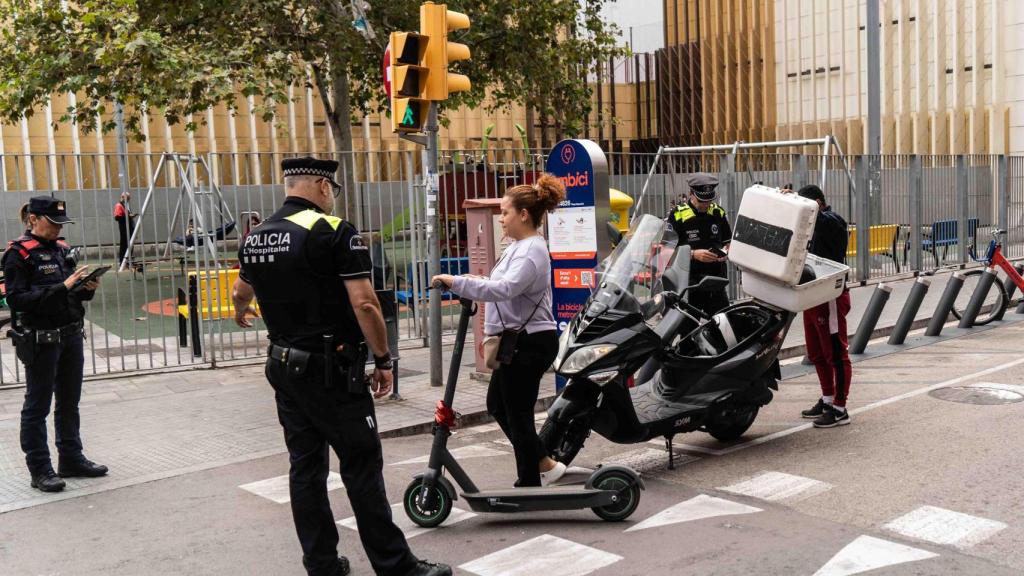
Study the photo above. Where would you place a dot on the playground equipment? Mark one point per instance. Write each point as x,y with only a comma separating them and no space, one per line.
201,211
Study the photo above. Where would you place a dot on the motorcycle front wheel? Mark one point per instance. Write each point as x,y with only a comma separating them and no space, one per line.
563,442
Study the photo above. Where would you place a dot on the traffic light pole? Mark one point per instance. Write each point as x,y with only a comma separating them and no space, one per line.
434,244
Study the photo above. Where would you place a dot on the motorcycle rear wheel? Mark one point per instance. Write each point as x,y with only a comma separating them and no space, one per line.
731,422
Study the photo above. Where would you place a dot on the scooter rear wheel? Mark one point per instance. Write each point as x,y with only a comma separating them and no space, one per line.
427,518
627,500
732,422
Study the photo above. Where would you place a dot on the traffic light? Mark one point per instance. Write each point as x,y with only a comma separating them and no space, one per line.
436,21
408,81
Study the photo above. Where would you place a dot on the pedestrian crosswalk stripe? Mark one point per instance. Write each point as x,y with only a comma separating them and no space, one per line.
775,486
276,489
410,529
941,526
471,451
868,553
696,508
545,554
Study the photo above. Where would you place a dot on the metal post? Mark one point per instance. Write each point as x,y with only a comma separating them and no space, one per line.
874,88
1011,286
962,207
978,298
941,314
732,203
433,245
909,313
863,220
916,213
122,147
870,319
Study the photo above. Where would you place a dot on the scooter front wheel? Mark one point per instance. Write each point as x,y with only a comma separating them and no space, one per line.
628,497
427,517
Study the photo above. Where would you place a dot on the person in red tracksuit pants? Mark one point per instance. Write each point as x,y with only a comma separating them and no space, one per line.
825,324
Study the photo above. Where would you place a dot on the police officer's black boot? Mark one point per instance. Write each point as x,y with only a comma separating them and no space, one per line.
47,481
83,468
424,568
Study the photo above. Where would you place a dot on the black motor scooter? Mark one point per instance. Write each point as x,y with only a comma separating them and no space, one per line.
640,371
612,492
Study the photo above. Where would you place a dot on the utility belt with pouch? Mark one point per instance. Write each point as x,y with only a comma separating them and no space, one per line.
352,357
26,340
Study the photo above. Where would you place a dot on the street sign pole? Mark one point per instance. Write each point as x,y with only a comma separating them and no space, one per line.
433,243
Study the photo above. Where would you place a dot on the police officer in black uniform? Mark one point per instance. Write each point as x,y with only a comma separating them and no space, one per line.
310,273
702,224
45,295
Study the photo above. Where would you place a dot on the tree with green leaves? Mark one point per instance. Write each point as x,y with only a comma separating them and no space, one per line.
181,58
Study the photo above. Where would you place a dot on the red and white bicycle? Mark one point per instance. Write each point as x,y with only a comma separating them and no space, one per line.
997,299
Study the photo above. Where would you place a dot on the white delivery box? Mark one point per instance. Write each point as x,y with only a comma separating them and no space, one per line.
772,233
828,284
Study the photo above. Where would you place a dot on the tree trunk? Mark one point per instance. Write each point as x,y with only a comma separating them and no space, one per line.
341,127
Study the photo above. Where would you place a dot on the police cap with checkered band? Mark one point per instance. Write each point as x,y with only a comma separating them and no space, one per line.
309,166
54,209
702,185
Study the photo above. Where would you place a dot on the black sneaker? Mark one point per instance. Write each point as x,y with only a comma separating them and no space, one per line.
47,481
832,418
424,568
83,468
816,411
342,568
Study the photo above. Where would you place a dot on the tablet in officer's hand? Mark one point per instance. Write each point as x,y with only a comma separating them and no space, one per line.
94,275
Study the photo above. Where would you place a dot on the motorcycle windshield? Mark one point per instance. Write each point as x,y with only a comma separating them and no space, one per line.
630,273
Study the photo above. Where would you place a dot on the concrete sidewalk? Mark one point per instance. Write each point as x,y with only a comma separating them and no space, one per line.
162,425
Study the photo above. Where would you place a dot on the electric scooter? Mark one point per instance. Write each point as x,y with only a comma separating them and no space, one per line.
612,492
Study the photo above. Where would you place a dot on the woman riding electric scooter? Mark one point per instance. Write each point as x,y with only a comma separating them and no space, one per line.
518,323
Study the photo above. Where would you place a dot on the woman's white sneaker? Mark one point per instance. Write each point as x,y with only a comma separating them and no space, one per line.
553,475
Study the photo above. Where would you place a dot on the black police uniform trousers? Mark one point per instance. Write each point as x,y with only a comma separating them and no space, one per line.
55,372
512,395
315,418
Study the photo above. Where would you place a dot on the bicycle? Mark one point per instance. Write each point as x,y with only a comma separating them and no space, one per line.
994,306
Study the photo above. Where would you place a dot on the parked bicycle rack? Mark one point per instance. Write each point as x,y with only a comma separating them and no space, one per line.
870,319
910,308
945,306
978,298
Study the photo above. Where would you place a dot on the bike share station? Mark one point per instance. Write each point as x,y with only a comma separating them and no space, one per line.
612,492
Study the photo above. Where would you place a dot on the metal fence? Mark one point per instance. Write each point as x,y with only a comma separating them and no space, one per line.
924,215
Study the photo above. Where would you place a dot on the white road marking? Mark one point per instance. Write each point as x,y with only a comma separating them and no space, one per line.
646,459
545,554
952,382
408,527
688,447
775,486
503,442
868,553
276,489
471,451
696,508
941,526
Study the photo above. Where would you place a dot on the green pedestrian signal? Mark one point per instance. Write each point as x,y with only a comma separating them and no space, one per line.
410,117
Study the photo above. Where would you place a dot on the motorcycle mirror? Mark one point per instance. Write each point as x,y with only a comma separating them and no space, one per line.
709,283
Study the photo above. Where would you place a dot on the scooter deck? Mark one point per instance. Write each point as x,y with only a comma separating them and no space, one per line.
537,499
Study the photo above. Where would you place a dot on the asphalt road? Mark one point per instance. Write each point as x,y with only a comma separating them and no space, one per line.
917,484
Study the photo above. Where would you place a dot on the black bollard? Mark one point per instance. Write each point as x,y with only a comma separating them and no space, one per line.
910,308
941,314
1011,286
978,298
870,319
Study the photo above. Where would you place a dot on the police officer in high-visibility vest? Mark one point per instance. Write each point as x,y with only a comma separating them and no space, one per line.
310,274
45,295
702,224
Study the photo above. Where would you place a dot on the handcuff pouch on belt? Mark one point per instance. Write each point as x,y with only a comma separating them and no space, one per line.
24,345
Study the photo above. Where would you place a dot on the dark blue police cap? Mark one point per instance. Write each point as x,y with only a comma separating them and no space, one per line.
54,209
309,166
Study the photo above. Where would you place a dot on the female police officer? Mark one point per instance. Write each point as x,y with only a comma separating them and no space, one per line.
41,289
311,274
